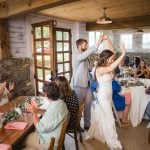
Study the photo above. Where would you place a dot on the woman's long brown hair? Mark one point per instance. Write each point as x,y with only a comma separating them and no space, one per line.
64,87
102,60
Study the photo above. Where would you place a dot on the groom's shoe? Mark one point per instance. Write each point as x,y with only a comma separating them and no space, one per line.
86,128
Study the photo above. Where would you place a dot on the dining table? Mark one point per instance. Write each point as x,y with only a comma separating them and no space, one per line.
12,137
139,100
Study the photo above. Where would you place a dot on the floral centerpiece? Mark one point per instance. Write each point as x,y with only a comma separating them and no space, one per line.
134,83
10,116
19,109
127,72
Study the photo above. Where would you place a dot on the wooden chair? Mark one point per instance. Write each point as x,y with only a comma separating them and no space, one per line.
51,146
62,135
149,137
77,125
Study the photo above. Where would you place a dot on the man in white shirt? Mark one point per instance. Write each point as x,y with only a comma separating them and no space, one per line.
6,94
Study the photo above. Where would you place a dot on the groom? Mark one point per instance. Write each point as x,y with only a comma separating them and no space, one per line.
80,77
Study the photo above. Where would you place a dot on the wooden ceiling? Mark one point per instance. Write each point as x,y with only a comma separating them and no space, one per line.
90,10
12,8
124,13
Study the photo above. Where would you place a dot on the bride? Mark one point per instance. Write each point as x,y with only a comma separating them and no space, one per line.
102,120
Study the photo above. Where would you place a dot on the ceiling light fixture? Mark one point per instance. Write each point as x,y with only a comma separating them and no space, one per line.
104,19
139,31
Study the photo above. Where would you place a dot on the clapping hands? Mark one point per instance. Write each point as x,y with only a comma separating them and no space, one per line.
32,107
2,87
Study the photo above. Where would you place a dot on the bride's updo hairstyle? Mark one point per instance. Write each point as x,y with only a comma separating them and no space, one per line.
103,57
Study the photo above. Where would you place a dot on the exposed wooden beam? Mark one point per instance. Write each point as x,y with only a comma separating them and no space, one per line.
20,7
133,22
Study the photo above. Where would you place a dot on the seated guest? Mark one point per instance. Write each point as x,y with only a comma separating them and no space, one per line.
70,98
127,61
6,94
120,102
136,62
51,122
142,71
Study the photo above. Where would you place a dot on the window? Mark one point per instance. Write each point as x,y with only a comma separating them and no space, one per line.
93,38
62,42
127,40
146,40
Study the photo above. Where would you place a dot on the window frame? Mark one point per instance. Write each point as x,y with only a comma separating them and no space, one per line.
143,39
101,47
63,52
130,49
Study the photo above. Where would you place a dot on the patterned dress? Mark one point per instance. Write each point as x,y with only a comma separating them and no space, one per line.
73,107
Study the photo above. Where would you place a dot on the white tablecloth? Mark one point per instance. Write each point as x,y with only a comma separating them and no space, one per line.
138,104
139,101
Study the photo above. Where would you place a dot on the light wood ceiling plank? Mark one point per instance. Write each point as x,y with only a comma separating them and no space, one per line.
18,7
91,10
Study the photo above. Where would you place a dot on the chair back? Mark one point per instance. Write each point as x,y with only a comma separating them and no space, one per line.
52,142
149,137
79,114
62,134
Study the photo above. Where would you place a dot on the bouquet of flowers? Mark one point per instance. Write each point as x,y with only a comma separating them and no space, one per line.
127,72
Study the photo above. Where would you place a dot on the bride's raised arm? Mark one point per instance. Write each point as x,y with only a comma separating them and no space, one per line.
106,69
109,42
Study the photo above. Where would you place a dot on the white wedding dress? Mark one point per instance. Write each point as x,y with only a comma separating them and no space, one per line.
102,120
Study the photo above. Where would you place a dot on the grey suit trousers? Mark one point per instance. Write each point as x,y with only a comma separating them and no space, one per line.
81,93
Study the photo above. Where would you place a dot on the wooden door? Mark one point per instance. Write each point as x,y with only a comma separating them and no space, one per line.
63,52
43,53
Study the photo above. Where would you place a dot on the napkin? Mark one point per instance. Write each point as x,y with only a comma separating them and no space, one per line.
5,147
16,125
1,113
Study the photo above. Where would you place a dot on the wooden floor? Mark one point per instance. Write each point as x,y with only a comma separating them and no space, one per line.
131,139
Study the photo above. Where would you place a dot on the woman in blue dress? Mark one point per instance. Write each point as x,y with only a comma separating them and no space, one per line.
120,102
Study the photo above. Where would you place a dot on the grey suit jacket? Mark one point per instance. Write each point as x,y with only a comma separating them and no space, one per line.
80,75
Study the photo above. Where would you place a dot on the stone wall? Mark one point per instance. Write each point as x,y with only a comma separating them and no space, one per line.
17,70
